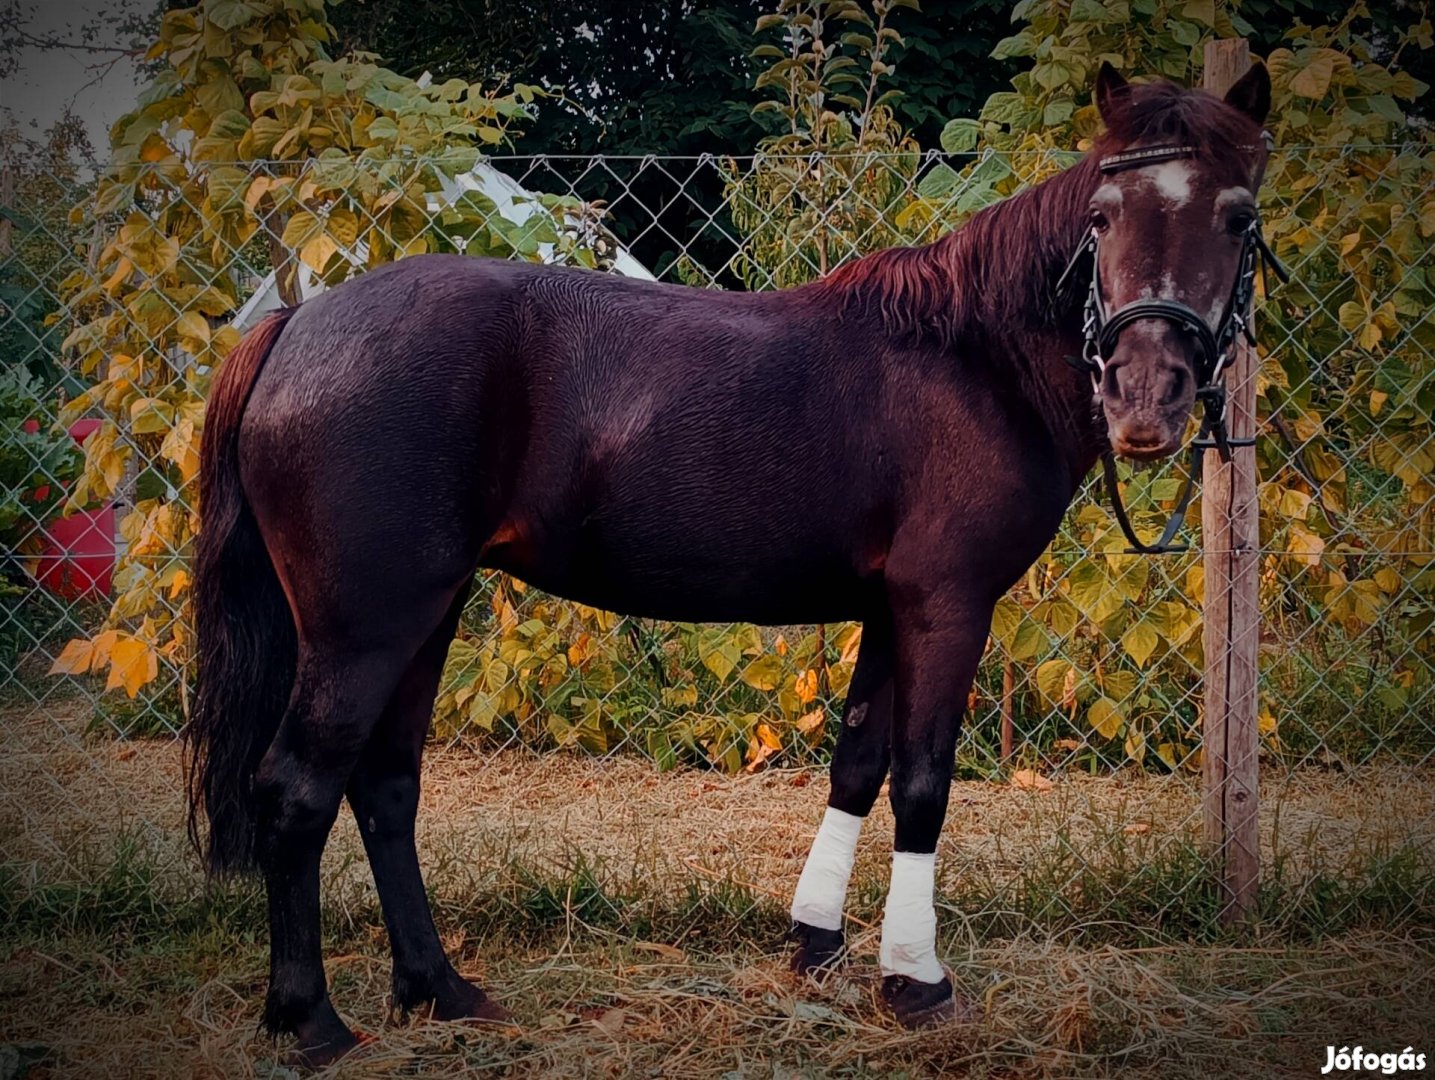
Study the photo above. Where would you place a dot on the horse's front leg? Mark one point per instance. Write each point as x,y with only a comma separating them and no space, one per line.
859,765
939,635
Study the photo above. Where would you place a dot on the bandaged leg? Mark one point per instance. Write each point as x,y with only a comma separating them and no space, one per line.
909,927
822,888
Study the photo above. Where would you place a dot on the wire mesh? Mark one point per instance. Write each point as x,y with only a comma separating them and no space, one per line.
1094,666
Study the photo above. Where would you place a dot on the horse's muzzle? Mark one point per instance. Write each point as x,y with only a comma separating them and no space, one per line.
1148,391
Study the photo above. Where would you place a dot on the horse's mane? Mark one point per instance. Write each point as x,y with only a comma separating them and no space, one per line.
998,269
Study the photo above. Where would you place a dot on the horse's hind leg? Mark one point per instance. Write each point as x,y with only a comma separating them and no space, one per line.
338,696
384,795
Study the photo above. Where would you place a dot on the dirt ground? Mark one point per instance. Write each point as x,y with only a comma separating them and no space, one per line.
629,918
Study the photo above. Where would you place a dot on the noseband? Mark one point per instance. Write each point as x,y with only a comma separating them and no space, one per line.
1101,331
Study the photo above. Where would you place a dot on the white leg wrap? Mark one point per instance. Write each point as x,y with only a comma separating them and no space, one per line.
909,927
822,888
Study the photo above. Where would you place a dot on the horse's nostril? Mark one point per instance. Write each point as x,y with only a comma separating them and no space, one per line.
1178,383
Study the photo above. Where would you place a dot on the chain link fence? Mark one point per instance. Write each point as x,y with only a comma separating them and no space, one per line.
1089,696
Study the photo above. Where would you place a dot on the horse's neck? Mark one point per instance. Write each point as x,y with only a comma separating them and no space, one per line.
1005,264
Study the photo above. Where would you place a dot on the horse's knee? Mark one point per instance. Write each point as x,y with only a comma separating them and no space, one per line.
919,804
386,804
292,799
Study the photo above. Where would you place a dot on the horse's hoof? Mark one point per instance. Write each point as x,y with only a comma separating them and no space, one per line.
320,1051
473,1005
819,952
922,1005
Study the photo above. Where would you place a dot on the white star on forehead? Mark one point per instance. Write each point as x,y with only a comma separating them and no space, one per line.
1172,180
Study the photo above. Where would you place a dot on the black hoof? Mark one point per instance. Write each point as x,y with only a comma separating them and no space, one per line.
818,951
319,1050
918,1004
471,1004
321,1038
446,995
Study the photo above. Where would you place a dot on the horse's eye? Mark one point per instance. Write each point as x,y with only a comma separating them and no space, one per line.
1240,222
1099,222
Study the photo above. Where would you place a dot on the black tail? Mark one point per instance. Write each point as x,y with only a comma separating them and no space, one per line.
244,630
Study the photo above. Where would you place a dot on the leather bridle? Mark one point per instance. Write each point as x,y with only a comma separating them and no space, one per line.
1101,331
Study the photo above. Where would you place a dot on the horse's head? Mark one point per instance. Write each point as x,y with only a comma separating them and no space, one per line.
1172,219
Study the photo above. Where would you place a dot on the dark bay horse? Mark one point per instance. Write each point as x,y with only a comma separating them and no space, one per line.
894,444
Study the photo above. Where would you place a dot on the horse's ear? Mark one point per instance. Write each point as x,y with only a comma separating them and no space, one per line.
1252,93
1111,90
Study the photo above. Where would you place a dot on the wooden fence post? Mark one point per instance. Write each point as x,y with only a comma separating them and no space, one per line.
1230,530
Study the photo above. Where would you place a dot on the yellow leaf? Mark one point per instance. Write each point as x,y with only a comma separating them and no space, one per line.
1030,780
1294,503
1051,680
1105,717
1313,80
765,673
149,415
1305,545
1267,722
178,583
806,686
102,644
74,659
581,650
179,447
193,326
765,744
318,251
1140,641
132,664
1136,746
124,368
811,722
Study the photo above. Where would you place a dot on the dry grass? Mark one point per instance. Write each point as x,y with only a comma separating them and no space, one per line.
629,919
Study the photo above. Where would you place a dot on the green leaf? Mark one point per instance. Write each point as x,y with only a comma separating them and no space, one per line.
383,127
230,124
232,14
1057,113
1352,316
1201,11
960,136
1090,11
1093,592
1022,44
939,182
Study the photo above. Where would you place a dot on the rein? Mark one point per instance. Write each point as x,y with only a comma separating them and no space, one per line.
1101,330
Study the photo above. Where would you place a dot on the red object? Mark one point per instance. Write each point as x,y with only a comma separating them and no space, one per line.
77,558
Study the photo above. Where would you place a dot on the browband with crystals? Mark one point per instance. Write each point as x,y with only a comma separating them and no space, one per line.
1130,159
1150,155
